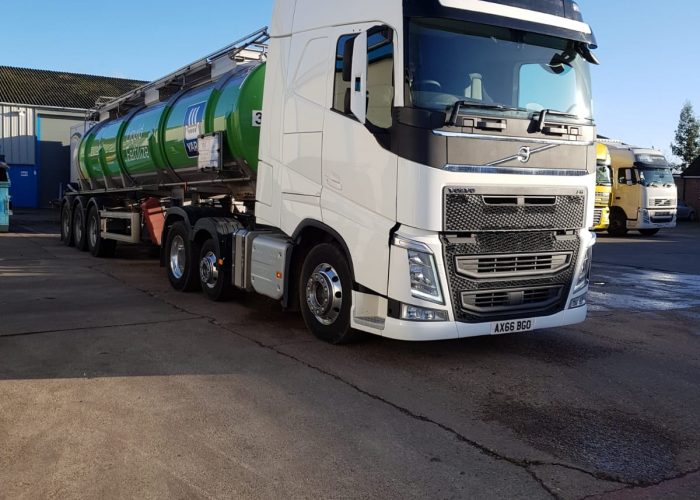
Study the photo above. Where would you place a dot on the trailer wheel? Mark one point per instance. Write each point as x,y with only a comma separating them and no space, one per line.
618,224
648,232
214,278
325,294
98,246
79,229
66,225
181,258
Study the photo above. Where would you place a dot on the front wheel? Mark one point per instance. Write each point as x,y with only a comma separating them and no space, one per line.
181,255
618,224
325,294
648,232
214,275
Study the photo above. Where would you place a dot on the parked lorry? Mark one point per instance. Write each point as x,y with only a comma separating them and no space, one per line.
419,170
603,188
644,195
5,200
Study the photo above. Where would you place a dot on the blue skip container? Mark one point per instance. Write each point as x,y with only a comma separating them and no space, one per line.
5,205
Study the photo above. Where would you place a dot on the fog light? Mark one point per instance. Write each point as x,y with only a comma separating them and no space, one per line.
415,313
578,302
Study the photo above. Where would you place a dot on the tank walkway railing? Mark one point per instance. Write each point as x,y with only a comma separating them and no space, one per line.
252,47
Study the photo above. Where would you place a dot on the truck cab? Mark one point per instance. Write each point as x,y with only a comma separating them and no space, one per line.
451,152
644,192
603,188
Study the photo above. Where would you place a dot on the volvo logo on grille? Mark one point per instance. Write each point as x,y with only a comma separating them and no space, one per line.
524,154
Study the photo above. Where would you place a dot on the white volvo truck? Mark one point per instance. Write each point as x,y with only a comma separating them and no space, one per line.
426,170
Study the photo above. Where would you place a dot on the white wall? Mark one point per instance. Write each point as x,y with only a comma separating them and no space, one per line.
17,134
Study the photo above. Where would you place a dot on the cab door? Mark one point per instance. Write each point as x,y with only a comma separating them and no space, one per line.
627,191
358,197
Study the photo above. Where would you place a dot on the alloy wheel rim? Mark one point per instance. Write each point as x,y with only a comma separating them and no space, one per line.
324,294
208,271
177,257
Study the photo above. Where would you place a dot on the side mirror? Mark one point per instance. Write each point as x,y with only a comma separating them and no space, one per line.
358,81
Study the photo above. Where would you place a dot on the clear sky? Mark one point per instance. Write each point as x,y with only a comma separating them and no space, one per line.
648,49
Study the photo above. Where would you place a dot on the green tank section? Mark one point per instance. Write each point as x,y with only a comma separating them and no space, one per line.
159,143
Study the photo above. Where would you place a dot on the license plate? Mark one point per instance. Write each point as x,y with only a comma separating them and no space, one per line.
513,326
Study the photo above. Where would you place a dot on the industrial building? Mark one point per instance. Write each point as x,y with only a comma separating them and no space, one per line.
37,110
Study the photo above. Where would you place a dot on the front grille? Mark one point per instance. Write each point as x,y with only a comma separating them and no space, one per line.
504,275
504,266
498,301
661,202
466,210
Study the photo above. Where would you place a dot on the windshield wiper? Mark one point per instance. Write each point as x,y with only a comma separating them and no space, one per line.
457,107
550,112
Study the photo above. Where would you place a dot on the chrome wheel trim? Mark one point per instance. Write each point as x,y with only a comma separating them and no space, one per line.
208,270
324,294
178,256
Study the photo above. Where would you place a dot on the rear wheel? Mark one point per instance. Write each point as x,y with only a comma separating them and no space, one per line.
648,232
214,277
325,295
691,217
182,257
79,232
98,246
66,225
618,224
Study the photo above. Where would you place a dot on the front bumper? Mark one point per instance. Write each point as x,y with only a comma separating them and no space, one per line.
653,219
450,330
456,326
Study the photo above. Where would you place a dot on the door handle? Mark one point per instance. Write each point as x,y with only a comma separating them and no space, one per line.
334,183
618,198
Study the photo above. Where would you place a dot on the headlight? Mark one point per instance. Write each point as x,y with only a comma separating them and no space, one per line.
584,271
422,270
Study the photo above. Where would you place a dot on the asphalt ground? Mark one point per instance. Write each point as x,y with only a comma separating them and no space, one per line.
112,385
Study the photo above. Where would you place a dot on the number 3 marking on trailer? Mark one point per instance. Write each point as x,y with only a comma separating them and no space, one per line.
257,118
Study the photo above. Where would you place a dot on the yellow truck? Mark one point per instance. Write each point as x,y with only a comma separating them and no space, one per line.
644,193
603,188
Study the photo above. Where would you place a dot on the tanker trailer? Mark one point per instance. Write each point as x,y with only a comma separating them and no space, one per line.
423,176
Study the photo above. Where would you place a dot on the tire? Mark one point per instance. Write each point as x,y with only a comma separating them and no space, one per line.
648,232
214,279
98,246
691,217
181,258
79,228
618,224
325,295
66,225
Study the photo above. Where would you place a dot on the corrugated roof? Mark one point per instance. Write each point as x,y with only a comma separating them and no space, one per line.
35,87
693,169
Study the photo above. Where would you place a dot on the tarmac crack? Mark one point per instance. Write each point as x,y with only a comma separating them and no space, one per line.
95,327
648,485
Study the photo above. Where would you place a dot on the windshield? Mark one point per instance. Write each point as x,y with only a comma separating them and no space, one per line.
656,177
499,70
602,176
